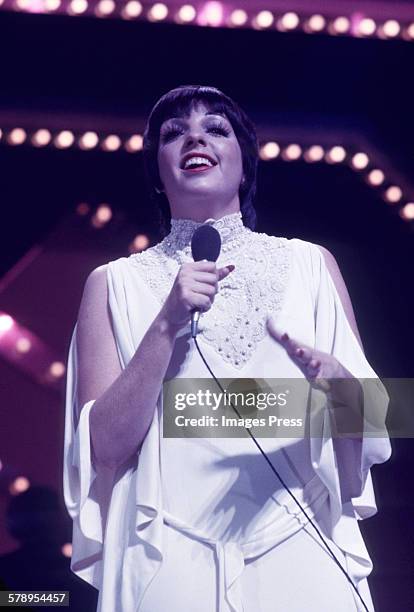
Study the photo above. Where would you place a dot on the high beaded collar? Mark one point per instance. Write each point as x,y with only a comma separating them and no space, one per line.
230,228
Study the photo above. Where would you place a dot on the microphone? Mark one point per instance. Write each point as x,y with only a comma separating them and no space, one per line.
205,245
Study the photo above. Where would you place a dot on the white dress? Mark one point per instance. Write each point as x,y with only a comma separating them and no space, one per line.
202,523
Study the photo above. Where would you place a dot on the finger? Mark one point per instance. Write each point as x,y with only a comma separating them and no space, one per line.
223,272
303,354
273,331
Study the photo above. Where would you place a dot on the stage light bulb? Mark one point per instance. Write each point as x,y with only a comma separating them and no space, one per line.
336,155
407,212
376,177
41,138
264,19
238,17
64,139
88,140
269,151
360,161
186,13
393,194
158,12
67,550
51,5
132,9
367,26
134,143
314,154
341,25
105,7
17,136
140,242
391,28
19,485
289,21
292,152
111,143
6,323
57,369
23,345
316,23
103,213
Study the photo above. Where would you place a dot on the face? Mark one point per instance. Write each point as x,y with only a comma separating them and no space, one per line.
209,189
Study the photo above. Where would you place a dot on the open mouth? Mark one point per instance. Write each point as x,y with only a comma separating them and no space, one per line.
197,162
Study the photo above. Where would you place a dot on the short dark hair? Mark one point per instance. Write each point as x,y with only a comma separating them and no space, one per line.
178,103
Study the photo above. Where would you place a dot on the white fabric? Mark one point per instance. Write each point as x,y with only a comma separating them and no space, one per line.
219,493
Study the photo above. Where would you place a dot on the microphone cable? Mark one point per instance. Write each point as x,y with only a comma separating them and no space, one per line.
316,528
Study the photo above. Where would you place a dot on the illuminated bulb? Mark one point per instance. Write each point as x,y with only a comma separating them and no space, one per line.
289,21
83,209
376,177
19,484
1,464
269,151
134,143
186,13
316,23
51,5
23,345
212,14
140,243
77,7
367,26
158,12
132,9
23,4
292,152
341,25
103,213
64,139
89,140
336,155
105,7
17,136
393,194
407,212
314,153
410,30
41,138
238,17
360,161
6,323
391,28
264,19
67,550
57,369
111,143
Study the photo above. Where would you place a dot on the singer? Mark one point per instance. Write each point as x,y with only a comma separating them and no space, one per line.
183,524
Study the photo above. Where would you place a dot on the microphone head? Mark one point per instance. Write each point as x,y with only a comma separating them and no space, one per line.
206,243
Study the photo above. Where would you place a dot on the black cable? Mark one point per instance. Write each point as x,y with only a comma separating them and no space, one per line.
285,485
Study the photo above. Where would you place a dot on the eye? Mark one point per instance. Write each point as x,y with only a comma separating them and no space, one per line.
174,130
169,134
219,129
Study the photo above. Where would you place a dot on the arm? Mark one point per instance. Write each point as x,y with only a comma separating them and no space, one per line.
125,400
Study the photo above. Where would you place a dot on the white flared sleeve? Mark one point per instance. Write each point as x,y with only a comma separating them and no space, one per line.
332,462
84,493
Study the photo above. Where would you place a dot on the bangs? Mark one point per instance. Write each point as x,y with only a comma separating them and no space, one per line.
180,103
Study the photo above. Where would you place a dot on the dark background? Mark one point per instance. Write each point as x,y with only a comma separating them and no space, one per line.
303,88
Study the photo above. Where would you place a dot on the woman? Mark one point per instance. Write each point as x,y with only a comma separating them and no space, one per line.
166,524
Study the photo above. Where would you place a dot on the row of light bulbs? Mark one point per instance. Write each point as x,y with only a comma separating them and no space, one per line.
64,139
214,13
90,140
359,162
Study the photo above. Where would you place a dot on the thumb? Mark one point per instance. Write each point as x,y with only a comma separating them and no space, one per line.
223,272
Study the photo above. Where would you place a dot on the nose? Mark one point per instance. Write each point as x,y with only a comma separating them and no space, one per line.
194,135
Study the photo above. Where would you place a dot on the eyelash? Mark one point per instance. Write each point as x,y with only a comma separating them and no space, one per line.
171,132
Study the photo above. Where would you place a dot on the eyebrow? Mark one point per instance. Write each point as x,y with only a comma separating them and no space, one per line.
205,114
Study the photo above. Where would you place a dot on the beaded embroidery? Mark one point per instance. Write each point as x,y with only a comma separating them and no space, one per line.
236,322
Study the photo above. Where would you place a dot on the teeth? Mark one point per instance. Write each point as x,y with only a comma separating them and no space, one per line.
199,161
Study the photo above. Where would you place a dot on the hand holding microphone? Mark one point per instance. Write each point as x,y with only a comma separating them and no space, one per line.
196,283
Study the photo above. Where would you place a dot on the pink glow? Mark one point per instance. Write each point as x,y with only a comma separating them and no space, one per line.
211,14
